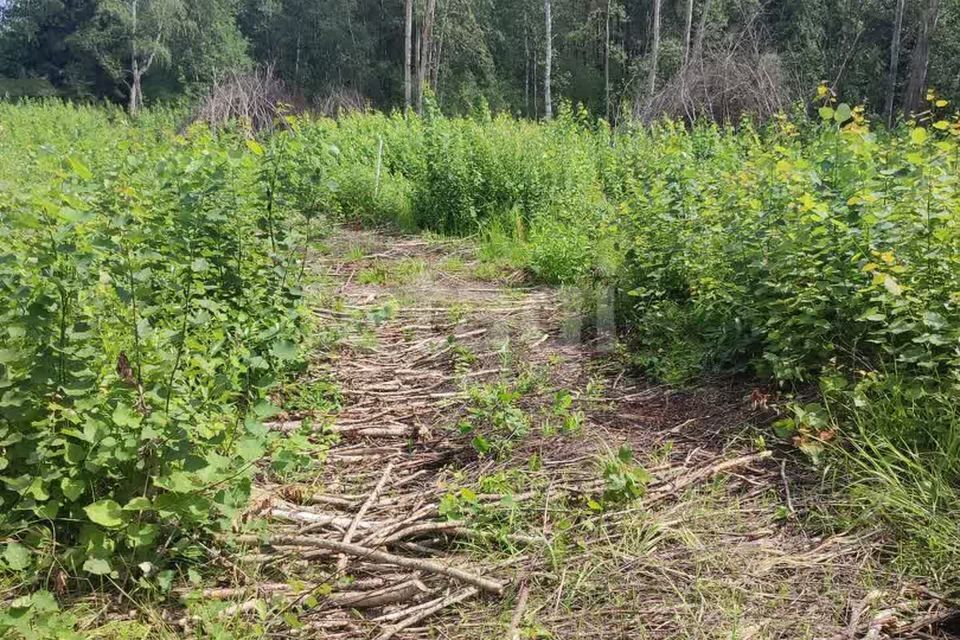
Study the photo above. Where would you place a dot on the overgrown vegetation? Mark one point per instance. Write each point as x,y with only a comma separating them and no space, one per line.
151,291
821,254
152,286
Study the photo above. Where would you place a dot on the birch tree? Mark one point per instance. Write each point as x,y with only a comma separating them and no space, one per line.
654,51
426,51
547,62
407,53
894,62
145,28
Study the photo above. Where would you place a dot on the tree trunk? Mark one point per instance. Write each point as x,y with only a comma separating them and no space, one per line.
438,59
701,31
407,54
654,51
136,92
547,62
134,106
296,64
894,62
920,59
426,50
536,84
687,31
606,61
526,74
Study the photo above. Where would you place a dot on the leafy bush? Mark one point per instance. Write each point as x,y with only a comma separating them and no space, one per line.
150,297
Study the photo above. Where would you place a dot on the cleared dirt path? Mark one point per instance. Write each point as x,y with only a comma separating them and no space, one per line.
496,474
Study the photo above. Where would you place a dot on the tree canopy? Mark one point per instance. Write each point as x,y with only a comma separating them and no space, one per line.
609,55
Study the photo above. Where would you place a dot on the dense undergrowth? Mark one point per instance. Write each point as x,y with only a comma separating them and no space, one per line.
151,285
820,254
150,294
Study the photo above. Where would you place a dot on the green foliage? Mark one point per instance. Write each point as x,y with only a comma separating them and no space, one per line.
495,416
152,285
804,251
625,481
151,298
37,617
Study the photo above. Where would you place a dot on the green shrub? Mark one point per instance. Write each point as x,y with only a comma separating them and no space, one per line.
149,297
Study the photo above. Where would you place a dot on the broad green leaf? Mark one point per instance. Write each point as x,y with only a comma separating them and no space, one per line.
97,566
106,513
73,453
72,488
284,350
124,416
250,449
139,503
265,409
142,535
80,169
16,556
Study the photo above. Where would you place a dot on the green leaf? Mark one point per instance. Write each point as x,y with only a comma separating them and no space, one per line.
106,513
934,320
80,169
481,444
124,416
139,503
165,580
843,113
73,453
918,135
284,350
97,566
826,113
142,535
72,488
265,409
250,449
784,428
16,556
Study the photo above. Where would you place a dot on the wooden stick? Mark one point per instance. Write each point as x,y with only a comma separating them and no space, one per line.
424,527
316,520
226,593
380,556
786,486
393,630
514,633
391,594
342,561
679,484
376,538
